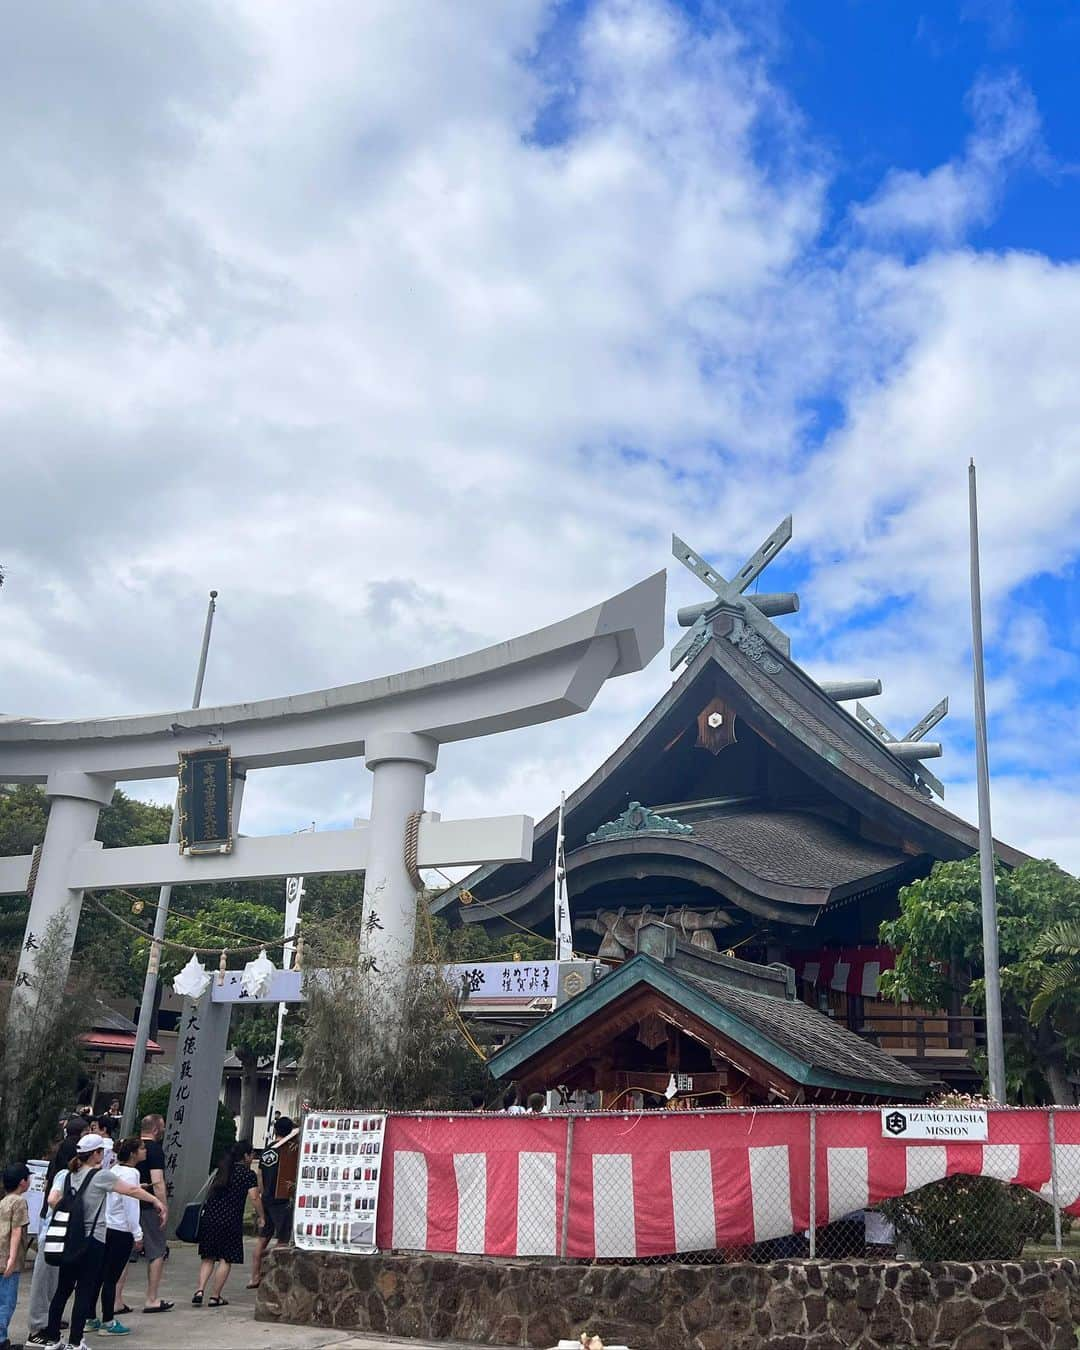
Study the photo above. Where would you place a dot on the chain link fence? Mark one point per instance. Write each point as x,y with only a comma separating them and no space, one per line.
718,1186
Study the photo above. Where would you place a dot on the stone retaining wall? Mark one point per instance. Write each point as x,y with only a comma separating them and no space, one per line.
1000,1305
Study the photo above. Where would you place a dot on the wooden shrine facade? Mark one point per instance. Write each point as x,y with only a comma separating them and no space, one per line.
650,1031
753,812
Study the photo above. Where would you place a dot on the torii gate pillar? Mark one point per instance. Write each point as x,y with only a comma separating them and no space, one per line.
75,802
399,761
201,1047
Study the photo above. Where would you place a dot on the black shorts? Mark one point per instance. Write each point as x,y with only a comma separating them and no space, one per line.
278,1219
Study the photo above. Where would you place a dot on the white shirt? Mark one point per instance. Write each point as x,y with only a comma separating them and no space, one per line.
122,1211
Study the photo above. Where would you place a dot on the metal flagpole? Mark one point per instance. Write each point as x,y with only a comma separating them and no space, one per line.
149,994
294,893
564,933
995,1040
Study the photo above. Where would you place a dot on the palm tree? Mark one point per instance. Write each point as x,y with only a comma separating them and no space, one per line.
1061,940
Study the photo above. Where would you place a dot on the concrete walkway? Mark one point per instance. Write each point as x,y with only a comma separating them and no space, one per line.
231,1328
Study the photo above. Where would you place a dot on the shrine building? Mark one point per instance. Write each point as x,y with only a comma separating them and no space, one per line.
675,1021
754,814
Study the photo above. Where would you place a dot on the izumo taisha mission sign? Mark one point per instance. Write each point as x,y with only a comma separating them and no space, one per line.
396,724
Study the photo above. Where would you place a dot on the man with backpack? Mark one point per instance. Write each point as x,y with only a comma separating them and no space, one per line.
76,1237
277,1170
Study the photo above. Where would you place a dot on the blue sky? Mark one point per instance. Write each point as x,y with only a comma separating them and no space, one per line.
885,85
410,327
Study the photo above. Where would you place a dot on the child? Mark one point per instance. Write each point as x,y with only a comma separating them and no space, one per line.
14,1221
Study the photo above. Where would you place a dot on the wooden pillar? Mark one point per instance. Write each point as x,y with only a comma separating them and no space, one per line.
672,1061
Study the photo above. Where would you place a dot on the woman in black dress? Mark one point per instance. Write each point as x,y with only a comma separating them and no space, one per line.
221,1226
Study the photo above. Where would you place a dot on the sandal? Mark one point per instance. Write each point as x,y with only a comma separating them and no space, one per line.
121,1311
253,1285
197,1298
217,1303
163,1306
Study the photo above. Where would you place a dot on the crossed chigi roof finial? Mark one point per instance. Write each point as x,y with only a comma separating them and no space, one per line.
757,611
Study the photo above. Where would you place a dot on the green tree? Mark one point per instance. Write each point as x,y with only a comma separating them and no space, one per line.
23,813
471,942
938,937
1062,979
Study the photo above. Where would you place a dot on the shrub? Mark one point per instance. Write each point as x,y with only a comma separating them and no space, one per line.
966,1218
43,1055
352,1061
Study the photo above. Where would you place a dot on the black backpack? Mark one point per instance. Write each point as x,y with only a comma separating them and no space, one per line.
66,1241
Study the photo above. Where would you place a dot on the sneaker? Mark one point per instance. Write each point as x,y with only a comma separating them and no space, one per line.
115,1328
93,1324
37,1338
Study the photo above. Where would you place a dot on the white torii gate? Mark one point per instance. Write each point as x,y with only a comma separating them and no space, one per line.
396,723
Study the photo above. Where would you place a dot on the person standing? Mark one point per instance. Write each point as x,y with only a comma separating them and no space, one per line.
122,1233
276,1205
221,1227
93,1184
14,1222
152,1177
511,1105
102,1125
44,1280
74,1129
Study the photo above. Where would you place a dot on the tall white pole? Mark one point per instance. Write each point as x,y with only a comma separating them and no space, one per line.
564,933
294,893
995,1039
153,964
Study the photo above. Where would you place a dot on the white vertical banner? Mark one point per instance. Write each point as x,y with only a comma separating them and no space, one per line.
294,893
564,932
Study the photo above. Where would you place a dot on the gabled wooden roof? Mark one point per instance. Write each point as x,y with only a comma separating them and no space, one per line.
779,702
806,1047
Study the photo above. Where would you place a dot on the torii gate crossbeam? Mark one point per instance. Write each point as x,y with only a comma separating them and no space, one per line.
396,722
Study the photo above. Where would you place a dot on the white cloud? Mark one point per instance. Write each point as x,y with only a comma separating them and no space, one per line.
944,203
359,330
306,303
1036,815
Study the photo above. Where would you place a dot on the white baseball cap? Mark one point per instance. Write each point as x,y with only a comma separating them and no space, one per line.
90,1143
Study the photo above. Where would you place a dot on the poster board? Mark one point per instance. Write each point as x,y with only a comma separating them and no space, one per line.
337,1182
35,1192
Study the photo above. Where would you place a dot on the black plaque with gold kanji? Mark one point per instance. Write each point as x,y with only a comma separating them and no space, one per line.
206,800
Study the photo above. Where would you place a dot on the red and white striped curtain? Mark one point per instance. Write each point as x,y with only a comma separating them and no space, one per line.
659,1183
